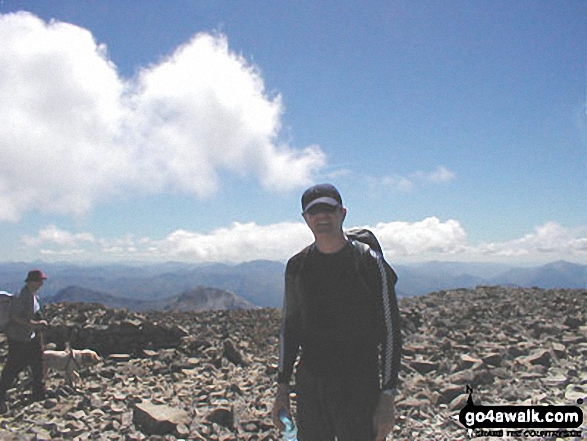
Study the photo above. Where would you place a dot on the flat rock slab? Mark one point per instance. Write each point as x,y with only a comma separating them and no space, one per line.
159,419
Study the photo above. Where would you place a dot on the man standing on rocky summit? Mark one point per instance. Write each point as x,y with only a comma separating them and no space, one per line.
25,339
340,309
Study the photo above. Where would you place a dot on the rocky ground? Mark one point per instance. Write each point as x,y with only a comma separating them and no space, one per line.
209,376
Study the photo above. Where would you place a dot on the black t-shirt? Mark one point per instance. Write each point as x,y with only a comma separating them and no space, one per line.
341,336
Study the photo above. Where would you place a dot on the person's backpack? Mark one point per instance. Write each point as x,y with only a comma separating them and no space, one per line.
365,236
5,301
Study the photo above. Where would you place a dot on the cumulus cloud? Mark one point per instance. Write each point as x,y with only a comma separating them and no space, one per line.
51,235
75,133
415,238
205,109
238,243
428,239
53,241
548,239
59,101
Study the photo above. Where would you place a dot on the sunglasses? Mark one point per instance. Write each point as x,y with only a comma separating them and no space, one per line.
321,208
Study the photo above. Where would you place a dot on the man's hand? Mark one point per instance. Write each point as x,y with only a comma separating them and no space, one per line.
39,324
384,418
281,403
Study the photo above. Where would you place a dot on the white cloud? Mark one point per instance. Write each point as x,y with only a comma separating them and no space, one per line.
58,237
205,109
440,175
400,239
429,239
59,101
397,182
124,247
74,133
550,239
238,243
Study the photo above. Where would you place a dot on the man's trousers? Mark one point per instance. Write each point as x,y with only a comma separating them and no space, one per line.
330,408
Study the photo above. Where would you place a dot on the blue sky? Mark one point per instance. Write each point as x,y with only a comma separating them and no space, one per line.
187,130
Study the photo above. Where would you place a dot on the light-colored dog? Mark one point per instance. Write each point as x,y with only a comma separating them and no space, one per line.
69,361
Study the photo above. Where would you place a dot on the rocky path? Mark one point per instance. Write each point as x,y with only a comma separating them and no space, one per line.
209,376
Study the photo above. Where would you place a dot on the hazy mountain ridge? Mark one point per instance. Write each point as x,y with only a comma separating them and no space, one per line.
434,276
258,282
553,275
199,299
262,282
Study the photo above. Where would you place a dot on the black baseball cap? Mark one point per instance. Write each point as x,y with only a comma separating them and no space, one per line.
321,194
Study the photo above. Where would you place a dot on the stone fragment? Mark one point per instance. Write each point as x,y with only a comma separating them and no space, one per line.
232,354
78,415
155,419
557,380
469,362
222,416
575,392
120,358
423,367
493,359
540,357
42,434
458,402
50,403
449,393
574,322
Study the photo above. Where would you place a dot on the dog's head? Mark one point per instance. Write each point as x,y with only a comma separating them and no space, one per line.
86,356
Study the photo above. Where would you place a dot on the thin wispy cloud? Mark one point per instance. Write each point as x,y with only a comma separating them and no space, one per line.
412,181
440,175
75,133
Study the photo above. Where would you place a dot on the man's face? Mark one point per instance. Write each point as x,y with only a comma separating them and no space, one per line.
325,219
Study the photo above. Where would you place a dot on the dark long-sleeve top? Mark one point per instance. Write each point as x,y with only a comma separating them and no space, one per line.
23,307
346,327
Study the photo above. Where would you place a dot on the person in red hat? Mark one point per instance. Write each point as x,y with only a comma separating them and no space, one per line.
25,339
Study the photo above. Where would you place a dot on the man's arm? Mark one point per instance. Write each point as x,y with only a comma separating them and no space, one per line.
380,279
34,324
289,342
391,346
289,337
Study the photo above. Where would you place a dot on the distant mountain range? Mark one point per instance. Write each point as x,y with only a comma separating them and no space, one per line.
421,279
261,283
199,299
258,282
